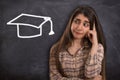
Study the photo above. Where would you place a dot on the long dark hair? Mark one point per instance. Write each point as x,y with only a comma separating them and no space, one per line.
66,39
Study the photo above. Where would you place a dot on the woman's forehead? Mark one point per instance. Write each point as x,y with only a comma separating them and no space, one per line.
82,17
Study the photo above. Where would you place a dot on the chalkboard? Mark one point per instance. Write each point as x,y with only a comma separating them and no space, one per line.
25,45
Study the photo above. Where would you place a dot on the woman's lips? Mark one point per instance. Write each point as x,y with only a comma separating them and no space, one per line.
79,33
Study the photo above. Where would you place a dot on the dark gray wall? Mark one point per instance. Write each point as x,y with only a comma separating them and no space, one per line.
27,59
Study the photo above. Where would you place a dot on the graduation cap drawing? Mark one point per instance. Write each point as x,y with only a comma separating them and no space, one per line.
38,25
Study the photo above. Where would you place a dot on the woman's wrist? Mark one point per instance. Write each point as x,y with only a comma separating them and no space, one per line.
95,45
94,49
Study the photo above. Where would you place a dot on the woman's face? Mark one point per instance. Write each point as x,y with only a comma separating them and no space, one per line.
80,26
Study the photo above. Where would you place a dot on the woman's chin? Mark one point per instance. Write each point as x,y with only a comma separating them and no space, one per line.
78,37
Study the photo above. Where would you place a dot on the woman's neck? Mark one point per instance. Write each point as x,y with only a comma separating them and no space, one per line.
77,43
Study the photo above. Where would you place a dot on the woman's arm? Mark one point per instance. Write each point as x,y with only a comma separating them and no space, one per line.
94,61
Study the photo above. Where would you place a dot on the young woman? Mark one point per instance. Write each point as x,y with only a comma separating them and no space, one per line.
79,54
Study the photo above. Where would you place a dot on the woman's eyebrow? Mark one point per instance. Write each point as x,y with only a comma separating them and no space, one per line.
86,21
77,19
80,20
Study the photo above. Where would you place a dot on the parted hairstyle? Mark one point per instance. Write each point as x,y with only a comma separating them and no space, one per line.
66,39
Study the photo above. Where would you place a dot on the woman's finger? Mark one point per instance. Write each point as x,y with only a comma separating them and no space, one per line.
90,34
94,28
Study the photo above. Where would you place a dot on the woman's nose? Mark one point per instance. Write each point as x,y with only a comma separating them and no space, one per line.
80,27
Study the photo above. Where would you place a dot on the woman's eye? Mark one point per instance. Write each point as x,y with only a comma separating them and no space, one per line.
77,21
86,24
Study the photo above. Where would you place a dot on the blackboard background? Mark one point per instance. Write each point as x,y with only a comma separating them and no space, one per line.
27,59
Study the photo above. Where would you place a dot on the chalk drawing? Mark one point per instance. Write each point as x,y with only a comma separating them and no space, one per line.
46,19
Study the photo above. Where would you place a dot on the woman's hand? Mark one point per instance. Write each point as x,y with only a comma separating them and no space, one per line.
98,77
92,35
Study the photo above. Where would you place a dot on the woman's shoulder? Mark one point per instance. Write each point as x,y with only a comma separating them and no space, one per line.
53,47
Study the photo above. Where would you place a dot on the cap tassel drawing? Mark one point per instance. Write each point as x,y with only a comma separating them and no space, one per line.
46,19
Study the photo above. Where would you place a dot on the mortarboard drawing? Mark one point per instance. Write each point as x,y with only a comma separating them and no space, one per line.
39,26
